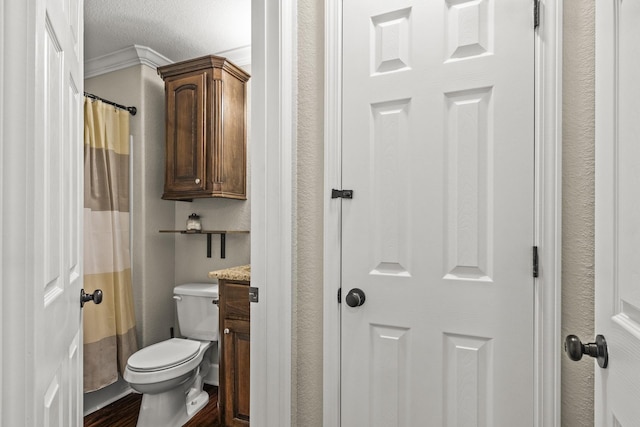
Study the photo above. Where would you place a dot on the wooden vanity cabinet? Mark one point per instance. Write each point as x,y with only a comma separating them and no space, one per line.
205,123
234,356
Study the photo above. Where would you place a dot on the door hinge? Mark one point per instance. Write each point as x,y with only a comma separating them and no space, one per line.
535,261
253,294
345,194
536,13
339,295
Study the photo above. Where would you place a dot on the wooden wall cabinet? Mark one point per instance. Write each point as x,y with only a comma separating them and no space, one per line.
206,132
234,357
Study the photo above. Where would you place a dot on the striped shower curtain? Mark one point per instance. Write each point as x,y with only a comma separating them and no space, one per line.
109,328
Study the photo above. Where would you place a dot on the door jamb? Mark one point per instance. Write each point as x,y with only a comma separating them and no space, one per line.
548,204
273,124
548,215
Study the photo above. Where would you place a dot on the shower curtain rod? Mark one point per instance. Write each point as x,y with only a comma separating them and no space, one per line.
131,110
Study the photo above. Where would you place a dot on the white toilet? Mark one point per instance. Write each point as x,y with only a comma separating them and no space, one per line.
171,373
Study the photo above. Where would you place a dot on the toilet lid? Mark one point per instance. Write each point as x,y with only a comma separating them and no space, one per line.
164,355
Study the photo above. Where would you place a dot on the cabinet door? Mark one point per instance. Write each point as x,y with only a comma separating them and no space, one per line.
234,363
185,127
231,140
236,351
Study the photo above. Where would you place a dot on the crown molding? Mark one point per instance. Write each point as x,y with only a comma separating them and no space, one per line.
142,55
124,58
240,56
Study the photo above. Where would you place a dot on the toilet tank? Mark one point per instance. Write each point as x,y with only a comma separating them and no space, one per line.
197,313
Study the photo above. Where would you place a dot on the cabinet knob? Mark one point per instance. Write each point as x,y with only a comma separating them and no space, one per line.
197,180
226,331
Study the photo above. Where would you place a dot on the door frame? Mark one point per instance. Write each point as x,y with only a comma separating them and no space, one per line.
273,125
273,135
2,180
548,204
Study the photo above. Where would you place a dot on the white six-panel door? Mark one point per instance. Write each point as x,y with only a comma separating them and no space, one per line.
438,147
42,183
59,334
617,235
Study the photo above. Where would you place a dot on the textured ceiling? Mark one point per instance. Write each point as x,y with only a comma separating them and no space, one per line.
177,29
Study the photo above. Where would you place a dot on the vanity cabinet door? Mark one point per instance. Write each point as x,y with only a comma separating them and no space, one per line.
234,362
236,372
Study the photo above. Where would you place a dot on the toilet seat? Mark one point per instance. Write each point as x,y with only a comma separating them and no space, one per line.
164,355
165,361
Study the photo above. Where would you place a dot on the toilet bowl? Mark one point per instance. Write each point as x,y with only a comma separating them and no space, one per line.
171,373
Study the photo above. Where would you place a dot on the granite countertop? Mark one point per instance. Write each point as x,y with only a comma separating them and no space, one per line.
242,272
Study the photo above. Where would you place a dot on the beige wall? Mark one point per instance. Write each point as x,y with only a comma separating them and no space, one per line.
578,206
578,199
308,295
191,262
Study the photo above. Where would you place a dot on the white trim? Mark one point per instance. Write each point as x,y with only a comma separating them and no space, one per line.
126,391
607,202
332,211
19,375
240,56
273,124
124,58
142,55
2,180
548,213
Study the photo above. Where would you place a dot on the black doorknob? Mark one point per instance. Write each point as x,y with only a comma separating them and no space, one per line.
575,349
96,297
355,297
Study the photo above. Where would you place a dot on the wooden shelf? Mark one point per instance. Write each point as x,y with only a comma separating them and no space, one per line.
222,233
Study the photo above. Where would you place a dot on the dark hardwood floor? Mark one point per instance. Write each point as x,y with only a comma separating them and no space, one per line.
124,412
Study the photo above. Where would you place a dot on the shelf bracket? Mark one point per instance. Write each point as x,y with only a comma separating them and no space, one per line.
223,245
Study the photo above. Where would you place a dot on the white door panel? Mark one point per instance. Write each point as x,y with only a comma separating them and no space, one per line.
46,189
59,148
438,101
618,211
